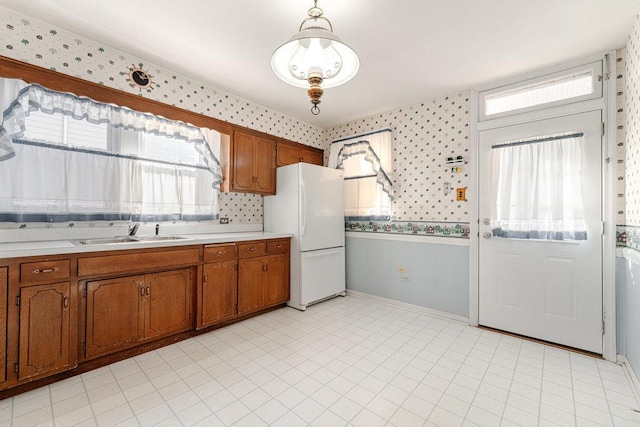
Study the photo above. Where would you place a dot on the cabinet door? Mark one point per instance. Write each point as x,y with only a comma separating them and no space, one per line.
251,280
277,287
114,314
313,157
3,323
287,155
44,329
243,162
219,292
265,166
168,302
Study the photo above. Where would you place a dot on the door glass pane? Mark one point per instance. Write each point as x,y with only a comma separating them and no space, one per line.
537,188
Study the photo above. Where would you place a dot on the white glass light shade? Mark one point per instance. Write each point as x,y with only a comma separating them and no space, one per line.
317,51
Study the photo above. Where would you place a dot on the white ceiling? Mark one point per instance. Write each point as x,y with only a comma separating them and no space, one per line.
410,50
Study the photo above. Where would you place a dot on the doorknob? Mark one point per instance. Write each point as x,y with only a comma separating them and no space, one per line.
486,221
486,235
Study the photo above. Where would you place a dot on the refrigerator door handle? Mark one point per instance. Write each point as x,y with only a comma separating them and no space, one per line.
304,207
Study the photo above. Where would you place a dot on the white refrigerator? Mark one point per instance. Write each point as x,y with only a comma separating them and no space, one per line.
309,203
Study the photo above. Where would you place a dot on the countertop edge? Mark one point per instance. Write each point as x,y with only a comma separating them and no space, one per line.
67,247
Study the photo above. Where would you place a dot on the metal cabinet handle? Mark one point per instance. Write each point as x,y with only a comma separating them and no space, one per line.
65,302
148,291
221,252
142,291
46,270
205,279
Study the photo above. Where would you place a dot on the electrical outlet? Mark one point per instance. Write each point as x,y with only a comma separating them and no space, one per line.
406,278
401,270
224,220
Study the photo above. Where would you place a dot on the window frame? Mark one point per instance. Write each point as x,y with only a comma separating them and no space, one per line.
596,68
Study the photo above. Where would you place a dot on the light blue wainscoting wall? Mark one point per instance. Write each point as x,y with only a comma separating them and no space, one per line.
628,306
435,275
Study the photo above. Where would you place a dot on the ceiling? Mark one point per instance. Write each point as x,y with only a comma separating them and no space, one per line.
410,50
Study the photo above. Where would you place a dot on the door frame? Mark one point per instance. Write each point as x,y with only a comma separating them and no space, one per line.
607,104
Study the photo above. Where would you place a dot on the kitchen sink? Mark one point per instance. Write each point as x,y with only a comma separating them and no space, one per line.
125,239
158,238
107,240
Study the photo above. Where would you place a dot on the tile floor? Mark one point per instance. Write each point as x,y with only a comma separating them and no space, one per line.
347,361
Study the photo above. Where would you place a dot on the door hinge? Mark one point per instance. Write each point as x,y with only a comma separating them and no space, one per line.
236,266
604,76
602,128
18,300
84,346
16,368
84,292
603,327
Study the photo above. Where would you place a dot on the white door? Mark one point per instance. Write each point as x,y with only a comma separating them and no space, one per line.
530,282
321,207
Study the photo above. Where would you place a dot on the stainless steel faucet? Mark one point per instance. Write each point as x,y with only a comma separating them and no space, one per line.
133,229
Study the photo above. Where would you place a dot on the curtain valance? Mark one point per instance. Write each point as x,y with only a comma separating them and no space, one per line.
19,98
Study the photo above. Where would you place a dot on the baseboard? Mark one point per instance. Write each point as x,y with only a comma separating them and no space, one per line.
412,307
631,376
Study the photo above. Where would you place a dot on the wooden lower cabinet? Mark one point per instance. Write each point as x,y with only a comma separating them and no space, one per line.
219,292
125,311
262,282
277,288
44,336
251,283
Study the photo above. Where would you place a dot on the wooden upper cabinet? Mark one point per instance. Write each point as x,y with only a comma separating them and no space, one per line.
254,163
45,329
289,153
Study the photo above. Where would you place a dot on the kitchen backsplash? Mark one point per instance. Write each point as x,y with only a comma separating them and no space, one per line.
41,44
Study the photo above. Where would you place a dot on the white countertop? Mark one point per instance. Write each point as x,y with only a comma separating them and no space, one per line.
57,247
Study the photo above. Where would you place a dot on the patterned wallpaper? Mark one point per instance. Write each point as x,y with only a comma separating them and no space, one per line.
632,128
628,229
424,136
620,137
41,44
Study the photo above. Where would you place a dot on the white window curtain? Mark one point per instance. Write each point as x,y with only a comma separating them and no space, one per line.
537,188
50,182
367,164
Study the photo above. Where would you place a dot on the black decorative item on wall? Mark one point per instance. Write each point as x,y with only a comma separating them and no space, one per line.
139,78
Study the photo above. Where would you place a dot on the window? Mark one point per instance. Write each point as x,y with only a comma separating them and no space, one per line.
537,188
120,165
366,161
576,84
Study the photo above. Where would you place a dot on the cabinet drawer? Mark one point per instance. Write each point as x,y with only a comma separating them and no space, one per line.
246,250
44,270
278,247
214,253
109,264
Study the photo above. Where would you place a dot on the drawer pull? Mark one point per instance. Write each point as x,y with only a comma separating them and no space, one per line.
221,253
278,246
46,270
252,248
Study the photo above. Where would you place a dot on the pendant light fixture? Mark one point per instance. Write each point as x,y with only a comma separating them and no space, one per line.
315,57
